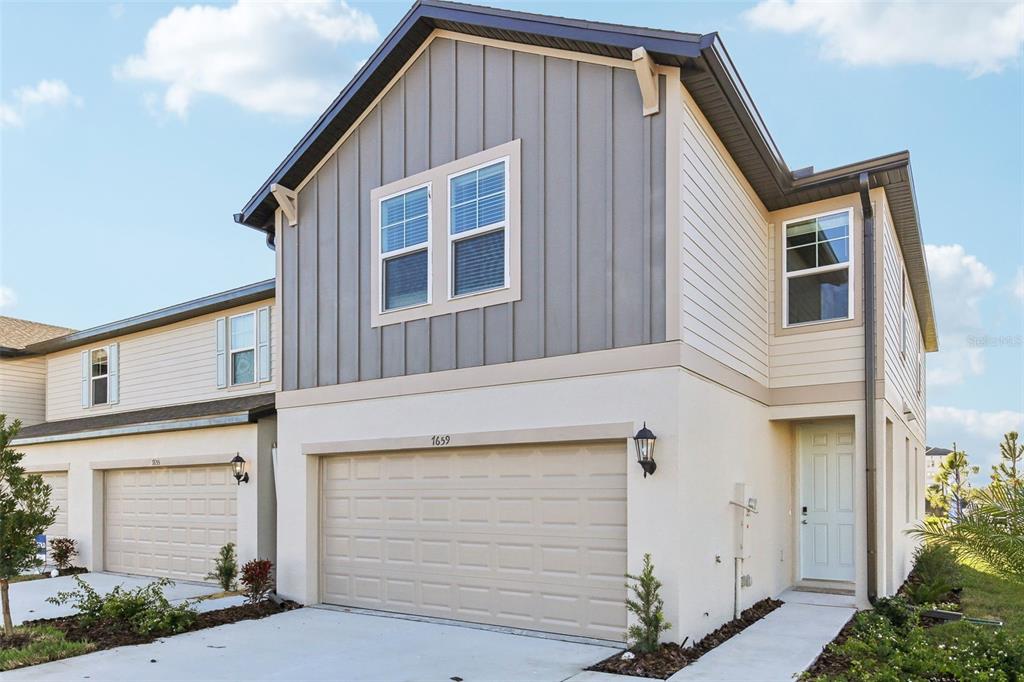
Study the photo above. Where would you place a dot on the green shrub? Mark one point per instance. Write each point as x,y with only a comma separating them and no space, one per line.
899,612
144,610
648,608
878,651
225,568
936,563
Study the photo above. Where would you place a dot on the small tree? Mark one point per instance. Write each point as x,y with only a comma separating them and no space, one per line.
953,486
648,607
225,568
1010,470
25,512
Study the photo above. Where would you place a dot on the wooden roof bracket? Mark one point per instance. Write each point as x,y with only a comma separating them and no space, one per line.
288,200
647,75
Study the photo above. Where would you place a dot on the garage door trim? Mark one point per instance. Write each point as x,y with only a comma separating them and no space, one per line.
551,434
160,462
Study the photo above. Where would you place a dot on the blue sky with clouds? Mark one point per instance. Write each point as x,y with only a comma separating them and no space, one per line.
131,132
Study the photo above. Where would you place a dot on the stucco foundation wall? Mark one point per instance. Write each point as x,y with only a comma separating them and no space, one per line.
901,487
708,440
85,460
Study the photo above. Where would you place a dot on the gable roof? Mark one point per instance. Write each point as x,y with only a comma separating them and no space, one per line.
16,334
706,71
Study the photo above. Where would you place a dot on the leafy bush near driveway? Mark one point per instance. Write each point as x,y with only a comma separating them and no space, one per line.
62,551
144,610
878,650
257,580
225,569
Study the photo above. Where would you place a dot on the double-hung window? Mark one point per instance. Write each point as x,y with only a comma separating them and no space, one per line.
405,249
817,261
99,376
478,229
242,342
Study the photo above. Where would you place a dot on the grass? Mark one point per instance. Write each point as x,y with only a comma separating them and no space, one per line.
987,595
46,644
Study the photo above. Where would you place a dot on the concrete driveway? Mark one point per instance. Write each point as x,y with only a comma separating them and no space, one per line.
28,599
321,644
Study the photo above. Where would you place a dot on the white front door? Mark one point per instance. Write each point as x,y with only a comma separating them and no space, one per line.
826,501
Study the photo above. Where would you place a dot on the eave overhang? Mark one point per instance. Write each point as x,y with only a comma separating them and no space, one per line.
707,72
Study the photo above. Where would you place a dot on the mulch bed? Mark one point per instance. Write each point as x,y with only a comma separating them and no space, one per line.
108,636
672,657
15,641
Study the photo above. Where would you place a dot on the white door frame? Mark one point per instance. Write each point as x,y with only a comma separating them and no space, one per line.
798,487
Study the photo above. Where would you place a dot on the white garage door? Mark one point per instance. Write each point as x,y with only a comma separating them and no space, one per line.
58,482
167,522
528,537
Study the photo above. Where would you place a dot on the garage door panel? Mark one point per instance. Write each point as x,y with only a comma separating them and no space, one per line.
58,482
168,522
531,537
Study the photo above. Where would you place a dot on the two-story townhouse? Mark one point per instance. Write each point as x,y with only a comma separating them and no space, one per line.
511,243
141,419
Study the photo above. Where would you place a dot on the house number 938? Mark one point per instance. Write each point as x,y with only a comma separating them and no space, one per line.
440,441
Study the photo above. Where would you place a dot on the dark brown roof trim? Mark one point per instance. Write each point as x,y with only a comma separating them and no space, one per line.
173,417
182,311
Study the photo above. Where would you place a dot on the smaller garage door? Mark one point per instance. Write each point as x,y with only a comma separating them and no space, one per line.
58,482
168,522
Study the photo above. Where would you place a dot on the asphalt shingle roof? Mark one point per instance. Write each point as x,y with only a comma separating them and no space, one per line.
17,334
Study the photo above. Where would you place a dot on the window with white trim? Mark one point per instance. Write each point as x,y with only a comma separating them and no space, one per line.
242,348
477,230
100,376
405,249
817,262
99,368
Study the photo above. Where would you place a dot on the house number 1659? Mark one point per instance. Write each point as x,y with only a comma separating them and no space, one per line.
440,441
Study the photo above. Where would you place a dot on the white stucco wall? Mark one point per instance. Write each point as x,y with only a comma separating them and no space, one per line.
85,460
709,439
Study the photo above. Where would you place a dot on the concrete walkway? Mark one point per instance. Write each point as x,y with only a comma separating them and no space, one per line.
779,646
28,599
320,644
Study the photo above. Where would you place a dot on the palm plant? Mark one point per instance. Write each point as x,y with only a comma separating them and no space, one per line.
989,532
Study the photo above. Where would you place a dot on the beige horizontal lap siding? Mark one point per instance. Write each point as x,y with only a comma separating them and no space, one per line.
23,389
168,365
900,372
724,255
813,356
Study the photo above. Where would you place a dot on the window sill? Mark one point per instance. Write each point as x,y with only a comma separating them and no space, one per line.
821,325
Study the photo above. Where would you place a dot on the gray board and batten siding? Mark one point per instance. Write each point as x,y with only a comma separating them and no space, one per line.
593,218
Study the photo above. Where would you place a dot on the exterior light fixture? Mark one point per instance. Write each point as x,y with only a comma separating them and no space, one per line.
238,469
644,442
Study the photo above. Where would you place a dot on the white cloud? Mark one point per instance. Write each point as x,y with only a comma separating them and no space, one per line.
988,425
978,37
7,297
959,281
266,57
47,93
1018,284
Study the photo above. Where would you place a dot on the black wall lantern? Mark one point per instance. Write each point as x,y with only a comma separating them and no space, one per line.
644,441
238,469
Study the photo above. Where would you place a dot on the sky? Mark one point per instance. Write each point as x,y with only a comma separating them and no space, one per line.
130,133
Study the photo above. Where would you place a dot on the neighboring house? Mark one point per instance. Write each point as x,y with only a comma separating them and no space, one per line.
933,459
514,239
142,418
23,375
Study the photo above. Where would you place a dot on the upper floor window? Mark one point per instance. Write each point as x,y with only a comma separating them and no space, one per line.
405,249
818,269
100,376
476,228
447,239
243,348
